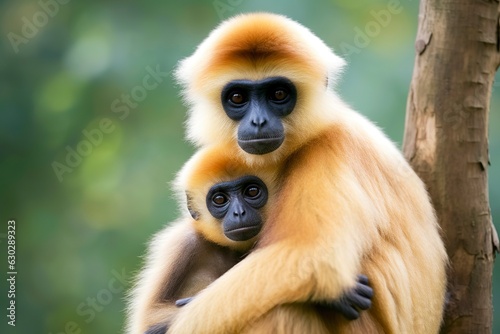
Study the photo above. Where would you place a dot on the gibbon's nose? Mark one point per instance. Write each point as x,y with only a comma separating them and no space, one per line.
259,121
239,211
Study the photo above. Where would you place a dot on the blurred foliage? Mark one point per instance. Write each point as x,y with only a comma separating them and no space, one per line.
65,67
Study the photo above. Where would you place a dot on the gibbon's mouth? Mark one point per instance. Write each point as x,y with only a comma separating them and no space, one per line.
244,233
260,145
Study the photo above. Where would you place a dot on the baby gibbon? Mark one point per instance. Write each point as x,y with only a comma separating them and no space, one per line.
226,209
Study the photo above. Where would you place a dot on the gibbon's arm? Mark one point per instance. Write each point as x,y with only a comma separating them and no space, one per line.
165,263
350,304
310,250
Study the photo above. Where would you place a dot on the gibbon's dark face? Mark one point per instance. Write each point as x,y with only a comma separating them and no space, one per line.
237,203
259,107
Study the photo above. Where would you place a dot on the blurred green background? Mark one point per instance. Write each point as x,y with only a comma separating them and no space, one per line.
66,69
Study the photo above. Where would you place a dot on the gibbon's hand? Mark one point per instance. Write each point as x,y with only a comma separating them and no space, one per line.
183,301
157,329
353,301
163,328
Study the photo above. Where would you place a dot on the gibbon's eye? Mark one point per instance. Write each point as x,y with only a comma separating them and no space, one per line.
252,191
219,199
279,95
237,97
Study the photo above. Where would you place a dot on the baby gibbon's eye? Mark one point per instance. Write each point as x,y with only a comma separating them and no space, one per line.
219,199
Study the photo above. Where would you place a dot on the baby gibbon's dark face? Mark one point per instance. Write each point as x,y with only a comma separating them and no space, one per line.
237,204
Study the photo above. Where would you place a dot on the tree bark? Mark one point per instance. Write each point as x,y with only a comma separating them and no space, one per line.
446,142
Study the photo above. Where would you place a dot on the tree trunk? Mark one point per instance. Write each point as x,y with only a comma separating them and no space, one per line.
446,142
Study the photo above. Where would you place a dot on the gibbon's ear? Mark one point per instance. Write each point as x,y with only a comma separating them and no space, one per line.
189,200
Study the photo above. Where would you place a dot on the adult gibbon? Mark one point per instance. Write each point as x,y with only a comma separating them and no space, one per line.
226,209
347,200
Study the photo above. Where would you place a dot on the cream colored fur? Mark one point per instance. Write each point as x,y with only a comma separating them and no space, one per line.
347,200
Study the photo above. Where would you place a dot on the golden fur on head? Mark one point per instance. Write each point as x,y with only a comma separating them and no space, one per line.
255,46
206,168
